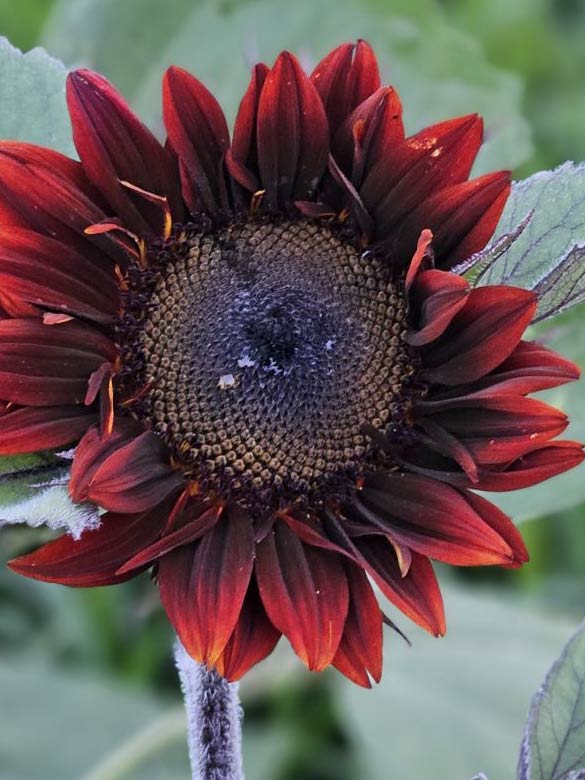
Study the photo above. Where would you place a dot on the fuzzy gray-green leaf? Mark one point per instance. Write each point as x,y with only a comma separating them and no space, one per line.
548,256
553,747
32,96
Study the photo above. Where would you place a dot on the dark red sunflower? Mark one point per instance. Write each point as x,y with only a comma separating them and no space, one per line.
277,387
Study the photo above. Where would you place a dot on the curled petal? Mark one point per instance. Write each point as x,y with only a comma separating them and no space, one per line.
436,298
481,336
127,471
305,594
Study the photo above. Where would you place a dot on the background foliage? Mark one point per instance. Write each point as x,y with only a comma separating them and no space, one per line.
87,687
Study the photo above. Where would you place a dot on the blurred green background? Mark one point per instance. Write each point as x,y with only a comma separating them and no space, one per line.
87,685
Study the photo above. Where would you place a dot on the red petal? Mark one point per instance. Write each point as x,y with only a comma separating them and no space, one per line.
94,559
43,365
438,521
498,430
48,193
202,586
128,471
435,158
292,134
417,594
481,336
254,638
462,218
242,159
48,273
42,428
194,529
360,650
345,78
437,296
529,368
372,133
199,135
114,146
534,467
305,594
501,524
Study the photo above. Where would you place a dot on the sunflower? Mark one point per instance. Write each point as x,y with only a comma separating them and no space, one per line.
278,387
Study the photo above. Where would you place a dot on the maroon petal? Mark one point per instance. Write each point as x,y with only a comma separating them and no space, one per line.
44,365
498,430
125,472
193,530
481,336
529,368
94,559
242,158
360,651
417,594
305,594
463,219
199,135
435,158
370,134
50,194
253,638
114,146
345,78
292,134
202,586
436,298
438,521
534,467
41,428
48,273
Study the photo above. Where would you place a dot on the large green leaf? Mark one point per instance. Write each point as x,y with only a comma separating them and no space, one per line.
554,740
420,54
77,726
451,708
549,254
32,97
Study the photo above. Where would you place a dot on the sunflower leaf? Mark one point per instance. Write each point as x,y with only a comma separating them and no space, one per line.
467,693
230,36
553,747
548,255
32,96
33,492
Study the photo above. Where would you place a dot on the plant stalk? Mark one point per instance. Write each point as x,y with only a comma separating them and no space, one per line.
214,720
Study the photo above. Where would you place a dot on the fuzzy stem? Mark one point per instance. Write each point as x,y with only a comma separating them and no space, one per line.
214,720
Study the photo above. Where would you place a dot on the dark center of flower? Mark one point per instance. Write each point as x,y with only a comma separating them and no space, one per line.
267,350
